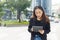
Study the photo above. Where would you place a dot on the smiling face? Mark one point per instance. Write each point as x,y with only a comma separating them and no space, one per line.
38,13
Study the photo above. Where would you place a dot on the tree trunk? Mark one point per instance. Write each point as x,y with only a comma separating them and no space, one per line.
18,14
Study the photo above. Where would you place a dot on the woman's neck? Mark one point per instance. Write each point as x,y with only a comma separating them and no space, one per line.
39,19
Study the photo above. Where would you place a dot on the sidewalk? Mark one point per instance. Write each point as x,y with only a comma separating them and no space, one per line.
21,33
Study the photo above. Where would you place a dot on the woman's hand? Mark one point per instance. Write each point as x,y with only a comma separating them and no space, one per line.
41,31
31,29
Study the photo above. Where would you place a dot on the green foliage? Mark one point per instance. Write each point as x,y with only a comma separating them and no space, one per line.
1,10
1,14
0,7
18,4
15,22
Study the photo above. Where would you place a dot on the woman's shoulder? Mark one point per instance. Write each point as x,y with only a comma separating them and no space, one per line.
31,19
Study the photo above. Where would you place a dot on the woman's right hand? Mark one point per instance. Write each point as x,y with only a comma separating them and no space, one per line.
31,29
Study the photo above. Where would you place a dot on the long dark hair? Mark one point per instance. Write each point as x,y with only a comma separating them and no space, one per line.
43,17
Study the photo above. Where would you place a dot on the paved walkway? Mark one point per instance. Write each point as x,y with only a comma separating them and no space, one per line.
21,33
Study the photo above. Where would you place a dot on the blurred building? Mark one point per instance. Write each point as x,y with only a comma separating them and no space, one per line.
35,3
46,4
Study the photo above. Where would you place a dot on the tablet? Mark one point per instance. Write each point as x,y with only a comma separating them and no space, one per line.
36,28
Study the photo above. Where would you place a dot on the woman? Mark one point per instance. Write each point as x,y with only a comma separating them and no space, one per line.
39,19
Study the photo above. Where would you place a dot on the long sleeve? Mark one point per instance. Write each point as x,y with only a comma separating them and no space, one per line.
47,28
30,25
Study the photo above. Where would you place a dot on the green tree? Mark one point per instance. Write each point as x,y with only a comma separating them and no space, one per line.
1,11
19,5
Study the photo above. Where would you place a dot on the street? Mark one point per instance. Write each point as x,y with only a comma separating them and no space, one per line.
21,33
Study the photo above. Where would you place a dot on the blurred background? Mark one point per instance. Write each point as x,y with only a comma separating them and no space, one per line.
18,12
15,16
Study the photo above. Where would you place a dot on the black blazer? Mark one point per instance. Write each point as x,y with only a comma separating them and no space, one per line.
35,22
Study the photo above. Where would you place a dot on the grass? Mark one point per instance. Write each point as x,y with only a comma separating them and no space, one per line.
14,22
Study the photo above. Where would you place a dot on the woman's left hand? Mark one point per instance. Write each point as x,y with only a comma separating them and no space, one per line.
41,31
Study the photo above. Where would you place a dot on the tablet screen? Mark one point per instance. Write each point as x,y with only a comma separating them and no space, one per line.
36,28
